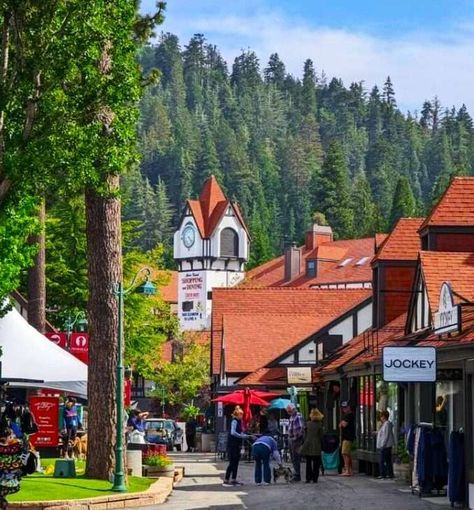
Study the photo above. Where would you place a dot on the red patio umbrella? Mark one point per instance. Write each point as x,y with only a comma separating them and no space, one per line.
246,397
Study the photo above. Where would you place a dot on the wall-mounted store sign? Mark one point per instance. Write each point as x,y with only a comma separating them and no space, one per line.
299,375
409,364
446,319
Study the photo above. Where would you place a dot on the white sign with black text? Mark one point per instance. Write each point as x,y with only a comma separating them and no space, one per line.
299,375
409,364
446,319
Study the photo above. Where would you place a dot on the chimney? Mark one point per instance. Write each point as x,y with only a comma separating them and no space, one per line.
318,234
292,262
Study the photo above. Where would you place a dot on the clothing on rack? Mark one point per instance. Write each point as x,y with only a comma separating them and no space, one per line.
456,473
430,461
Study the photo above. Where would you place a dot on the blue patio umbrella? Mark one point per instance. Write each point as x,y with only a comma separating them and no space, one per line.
279,403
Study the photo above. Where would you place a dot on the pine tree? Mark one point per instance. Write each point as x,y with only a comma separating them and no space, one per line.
335,195
404,203
363,207
308,92
275,71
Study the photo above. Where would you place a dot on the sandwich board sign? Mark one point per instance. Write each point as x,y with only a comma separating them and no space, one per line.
409,364
446,319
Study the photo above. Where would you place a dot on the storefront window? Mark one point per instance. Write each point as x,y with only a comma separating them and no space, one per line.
387,400
366,412
449,406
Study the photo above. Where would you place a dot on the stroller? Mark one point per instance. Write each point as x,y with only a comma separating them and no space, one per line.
330,451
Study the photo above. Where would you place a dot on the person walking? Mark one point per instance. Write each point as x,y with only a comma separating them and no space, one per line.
347,426
234,445
190,430
295,439
311,448
264,448
385,442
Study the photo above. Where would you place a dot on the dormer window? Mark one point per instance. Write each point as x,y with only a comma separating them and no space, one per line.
344,262
310,268
229,243
362,261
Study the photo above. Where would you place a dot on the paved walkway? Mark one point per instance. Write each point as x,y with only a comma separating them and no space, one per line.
201,488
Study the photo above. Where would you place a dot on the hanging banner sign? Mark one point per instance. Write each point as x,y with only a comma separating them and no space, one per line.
299,375
57,338
409,364
446,319
79,346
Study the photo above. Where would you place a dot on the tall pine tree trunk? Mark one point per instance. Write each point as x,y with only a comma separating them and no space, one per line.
37,277
105,269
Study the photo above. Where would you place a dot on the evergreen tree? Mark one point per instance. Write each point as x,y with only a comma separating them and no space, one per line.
308,92
275,71
404,203
334,193
363,207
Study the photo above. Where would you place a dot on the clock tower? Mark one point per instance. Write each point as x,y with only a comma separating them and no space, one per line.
210,248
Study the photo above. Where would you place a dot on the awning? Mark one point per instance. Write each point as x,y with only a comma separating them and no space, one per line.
29,359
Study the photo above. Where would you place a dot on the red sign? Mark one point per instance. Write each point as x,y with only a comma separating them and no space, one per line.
79,346
127,392
57,338
46,413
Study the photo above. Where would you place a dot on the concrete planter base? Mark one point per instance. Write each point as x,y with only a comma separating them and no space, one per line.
402,472
155,471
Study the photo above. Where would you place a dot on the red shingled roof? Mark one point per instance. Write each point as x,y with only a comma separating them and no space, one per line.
271,274
455,207
457,268
266,322
169,291
403,242
211,206
366,346
274,376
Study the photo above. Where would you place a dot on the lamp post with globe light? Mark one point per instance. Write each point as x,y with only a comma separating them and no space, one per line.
146,288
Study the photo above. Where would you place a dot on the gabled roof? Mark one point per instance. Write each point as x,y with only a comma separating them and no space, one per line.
366,346
272,273
455,207
403,242
210,207
264,323
457,268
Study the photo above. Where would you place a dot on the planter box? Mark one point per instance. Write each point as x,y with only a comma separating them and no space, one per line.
155,471
402,472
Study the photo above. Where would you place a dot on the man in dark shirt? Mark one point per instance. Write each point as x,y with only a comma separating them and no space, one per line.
347,426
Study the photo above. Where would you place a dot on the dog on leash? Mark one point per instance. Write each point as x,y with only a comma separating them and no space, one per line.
79,447
282,472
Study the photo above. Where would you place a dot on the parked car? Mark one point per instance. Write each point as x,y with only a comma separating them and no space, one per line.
164,431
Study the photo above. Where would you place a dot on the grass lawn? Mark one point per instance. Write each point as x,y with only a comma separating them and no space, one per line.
43,487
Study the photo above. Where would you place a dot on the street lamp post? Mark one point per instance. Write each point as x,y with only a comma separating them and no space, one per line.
81,322
146,288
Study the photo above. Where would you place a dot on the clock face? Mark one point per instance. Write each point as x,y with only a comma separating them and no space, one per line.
188,236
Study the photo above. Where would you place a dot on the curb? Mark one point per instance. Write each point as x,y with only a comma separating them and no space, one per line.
156,494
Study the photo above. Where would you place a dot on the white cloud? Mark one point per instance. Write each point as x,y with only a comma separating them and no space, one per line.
421,65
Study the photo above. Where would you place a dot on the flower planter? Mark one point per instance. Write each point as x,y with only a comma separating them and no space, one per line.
158,471
402,472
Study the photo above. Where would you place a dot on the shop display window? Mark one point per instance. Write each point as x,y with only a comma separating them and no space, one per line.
449,406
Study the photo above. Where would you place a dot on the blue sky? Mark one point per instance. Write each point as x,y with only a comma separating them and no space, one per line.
426,46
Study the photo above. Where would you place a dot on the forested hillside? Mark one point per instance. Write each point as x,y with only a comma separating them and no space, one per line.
285,147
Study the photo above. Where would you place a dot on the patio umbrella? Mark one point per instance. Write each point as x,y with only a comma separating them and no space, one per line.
279,403
246,397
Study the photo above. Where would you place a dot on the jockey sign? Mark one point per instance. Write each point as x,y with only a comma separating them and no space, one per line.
409,364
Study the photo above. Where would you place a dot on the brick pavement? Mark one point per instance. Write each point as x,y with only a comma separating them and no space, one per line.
201,488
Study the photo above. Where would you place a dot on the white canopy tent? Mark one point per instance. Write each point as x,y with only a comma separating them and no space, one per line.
29,359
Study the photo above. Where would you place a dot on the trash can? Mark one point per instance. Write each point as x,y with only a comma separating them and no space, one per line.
205,442
134,462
